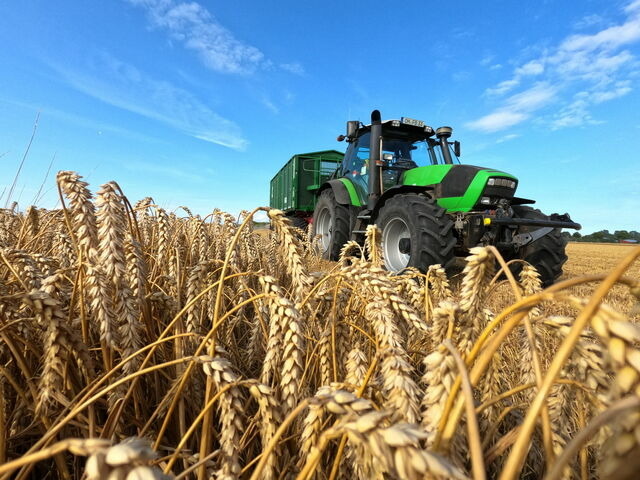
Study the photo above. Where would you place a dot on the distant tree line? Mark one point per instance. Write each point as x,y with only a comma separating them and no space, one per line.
260,225
603,236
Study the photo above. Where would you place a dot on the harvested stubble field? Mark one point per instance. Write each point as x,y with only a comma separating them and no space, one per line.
137,343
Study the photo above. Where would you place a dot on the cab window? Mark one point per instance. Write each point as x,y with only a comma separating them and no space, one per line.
356,165
359,156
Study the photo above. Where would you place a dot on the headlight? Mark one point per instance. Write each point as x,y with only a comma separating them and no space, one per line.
502,182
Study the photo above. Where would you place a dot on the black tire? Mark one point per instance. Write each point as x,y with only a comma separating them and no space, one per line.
428,227
298,222
334,229
547,254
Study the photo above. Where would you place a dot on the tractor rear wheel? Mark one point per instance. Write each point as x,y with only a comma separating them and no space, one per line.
331,222
416,232
546,254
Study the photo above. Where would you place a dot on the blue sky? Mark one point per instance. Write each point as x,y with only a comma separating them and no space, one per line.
200,103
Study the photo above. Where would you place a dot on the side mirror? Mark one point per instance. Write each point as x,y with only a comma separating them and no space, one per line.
456,148
352,128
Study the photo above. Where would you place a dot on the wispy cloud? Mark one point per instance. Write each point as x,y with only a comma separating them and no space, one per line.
503,87
516,109
165,171
487,59
619,89
461,76
538,96
498,120
124,86
589,21
488,62
506,138
98,127
295,68
534,67
266,101
192,25
531,68
598,65
611,37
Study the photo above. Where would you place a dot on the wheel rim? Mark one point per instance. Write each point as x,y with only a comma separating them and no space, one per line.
393,233
323,228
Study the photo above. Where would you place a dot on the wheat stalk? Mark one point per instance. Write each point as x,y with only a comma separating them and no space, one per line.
231,407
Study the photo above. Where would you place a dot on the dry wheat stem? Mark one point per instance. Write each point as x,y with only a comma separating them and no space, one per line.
204,343
477,461
78,446
196,422
351,322
516,457
596,423
519,309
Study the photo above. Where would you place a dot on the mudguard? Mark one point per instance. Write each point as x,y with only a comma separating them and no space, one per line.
339,191
400,189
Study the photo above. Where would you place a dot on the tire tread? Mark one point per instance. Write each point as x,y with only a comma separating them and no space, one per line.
547,254
434,227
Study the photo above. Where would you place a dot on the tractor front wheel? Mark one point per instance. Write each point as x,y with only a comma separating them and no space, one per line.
331,222
547,253
416,232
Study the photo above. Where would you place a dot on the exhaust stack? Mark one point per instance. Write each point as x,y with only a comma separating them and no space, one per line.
374,160
443,133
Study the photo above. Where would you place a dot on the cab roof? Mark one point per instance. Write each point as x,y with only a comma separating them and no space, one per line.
396,128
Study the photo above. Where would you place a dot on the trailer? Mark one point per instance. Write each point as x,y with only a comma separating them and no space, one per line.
293,188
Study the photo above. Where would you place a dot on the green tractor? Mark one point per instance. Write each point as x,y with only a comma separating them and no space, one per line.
406,178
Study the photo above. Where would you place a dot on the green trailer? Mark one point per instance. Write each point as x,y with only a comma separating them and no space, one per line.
293,188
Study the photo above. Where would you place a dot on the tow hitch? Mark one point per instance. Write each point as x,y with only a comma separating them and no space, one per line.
525,238
554,221
522,239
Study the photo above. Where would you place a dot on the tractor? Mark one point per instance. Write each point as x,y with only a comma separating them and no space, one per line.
407,179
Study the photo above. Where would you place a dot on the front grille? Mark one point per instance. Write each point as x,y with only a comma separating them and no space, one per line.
499,190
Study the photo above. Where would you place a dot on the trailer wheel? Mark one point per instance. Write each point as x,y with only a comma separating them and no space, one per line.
547,254
331,222
416,232
298,222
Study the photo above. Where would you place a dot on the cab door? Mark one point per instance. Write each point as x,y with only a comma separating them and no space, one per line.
355,166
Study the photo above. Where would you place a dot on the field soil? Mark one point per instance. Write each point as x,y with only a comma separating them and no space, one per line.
587,258
594,258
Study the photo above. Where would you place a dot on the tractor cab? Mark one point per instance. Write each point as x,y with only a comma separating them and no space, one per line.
406,144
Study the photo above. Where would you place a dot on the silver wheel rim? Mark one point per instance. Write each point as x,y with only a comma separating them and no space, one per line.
323,228
393,233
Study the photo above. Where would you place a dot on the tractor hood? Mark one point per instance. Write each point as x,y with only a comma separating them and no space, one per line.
460,187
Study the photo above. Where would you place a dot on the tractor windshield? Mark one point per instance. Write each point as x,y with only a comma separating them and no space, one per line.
402,153
429,152
397,153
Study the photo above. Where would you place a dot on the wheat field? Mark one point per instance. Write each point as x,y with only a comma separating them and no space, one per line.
137,343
